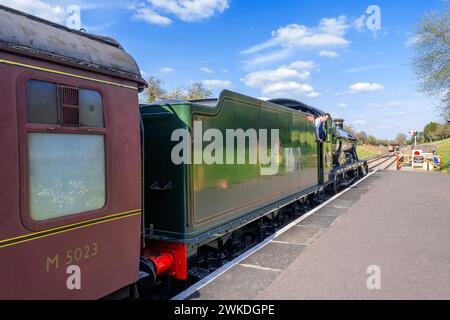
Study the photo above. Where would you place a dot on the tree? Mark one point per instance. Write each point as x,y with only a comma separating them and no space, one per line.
177,94
429,132
155,90
372,140
432,61
362,137
401,139
198,91
443,131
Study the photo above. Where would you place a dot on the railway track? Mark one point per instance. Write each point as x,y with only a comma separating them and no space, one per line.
382,162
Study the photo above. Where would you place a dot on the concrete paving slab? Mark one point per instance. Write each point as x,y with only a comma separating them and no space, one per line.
332,211
343,203
301,235
275,255
318,221
354,196
239,283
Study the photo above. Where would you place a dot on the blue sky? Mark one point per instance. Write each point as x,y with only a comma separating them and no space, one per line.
320,52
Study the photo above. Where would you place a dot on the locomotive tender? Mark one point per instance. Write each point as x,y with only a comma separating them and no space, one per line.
88,180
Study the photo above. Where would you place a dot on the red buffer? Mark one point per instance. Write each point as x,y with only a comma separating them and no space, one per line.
168,258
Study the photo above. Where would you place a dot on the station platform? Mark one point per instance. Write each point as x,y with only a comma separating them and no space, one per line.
396,221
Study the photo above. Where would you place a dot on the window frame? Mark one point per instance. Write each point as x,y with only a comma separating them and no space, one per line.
24,128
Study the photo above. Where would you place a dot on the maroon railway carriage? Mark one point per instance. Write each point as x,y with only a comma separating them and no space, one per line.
70,168
71,222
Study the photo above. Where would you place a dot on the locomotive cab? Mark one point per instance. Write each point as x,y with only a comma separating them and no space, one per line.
344,145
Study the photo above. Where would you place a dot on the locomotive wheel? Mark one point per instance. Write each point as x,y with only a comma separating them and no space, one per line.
146,284
335,186
356,174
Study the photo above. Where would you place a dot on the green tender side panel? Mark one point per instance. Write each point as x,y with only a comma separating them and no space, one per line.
222,193
204,197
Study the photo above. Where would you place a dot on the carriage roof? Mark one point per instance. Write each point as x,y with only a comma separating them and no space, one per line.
29,35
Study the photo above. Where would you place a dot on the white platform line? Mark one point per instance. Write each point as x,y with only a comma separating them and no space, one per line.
287,242
252,266
203,282
311,226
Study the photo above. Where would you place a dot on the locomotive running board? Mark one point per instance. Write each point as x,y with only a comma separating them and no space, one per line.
203,282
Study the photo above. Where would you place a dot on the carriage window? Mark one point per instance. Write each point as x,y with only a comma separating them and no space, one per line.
42,104
50,103
91,109
66,174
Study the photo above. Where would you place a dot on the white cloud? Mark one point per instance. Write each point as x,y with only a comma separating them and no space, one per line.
328,54
157,11
302,65
289,89
38,8
362,87
360,23
386,105
412,41
365,68
360,122
217,84
298,70
330,33
342,104
261,78
167,70
206,70
276,55
374,105
285,81
334,26
150,16
395,114
260,47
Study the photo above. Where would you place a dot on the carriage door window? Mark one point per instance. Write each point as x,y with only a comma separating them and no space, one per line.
66,165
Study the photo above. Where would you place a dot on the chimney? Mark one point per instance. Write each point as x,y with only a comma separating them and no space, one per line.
339,123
